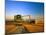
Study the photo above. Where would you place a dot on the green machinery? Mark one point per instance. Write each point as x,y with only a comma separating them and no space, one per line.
17,18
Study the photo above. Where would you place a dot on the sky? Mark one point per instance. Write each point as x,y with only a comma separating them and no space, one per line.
24,8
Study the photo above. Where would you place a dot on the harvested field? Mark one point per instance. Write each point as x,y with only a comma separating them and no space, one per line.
26,27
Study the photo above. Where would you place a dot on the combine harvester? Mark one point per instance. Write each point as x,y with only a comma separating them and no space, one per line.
19,24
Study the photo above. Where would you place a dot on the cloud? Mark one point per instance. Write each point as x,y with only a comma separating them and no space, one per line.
9,17
23,17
